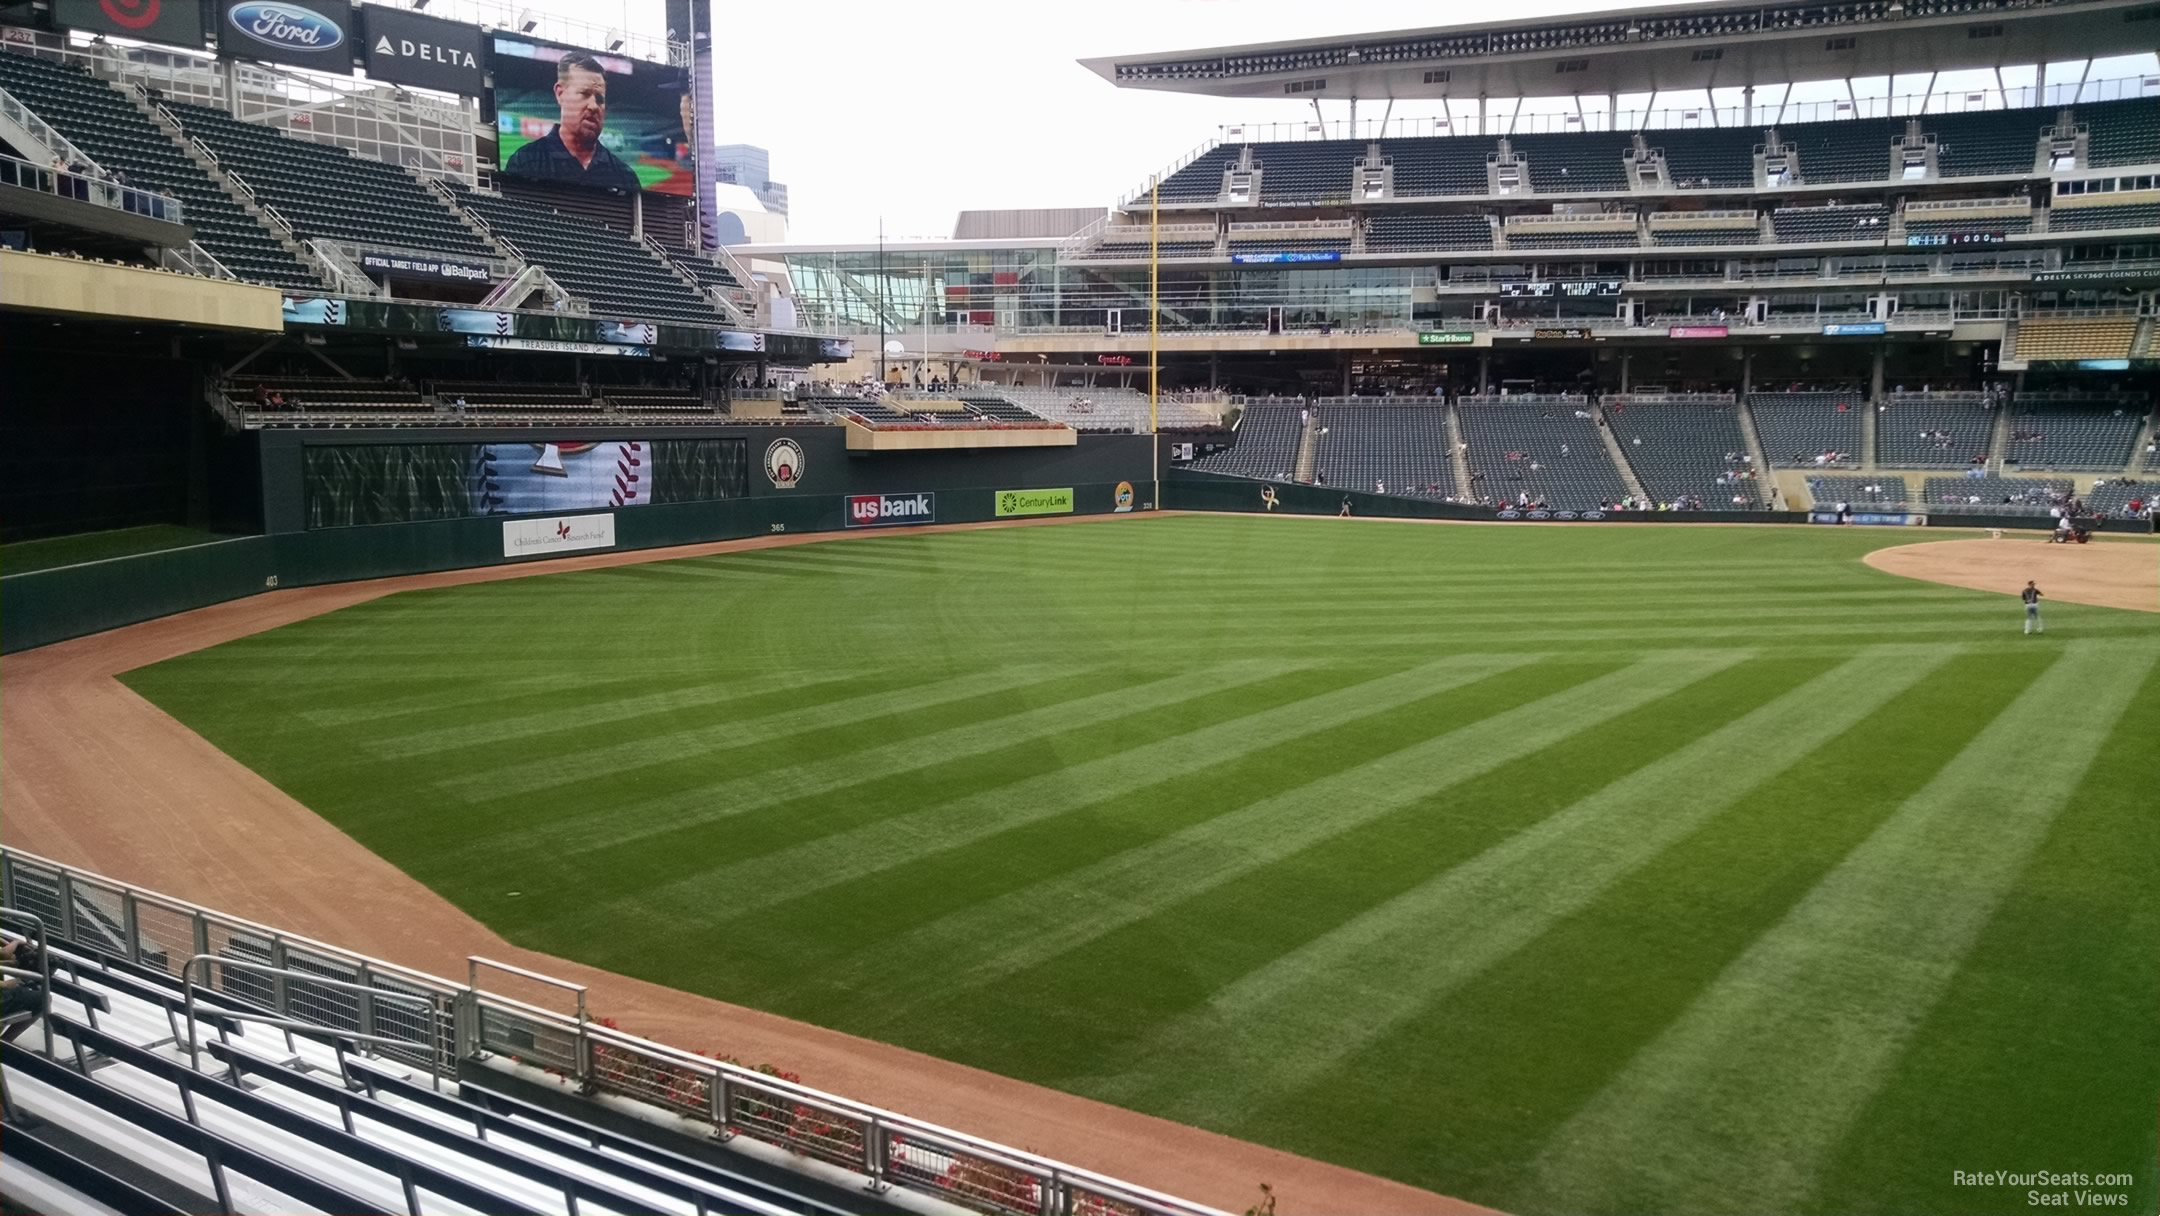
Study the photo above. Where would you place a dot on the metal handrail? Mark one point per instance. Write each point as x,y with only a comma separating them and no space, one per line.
442,1059
1969,204
134,200
45,132
1615,220
890,1149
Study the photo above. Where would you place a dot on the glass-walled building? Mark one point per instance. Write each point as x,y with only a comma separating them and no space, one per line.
1012,288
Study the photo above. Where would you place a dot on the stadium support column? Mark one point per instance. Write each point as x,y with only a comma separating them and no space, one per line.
1747,104
1747,372
1875,376
1484,372
1626,357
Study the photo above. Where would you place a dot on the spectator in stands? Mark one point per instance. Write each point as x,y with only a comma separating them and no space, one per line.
572,152
17,994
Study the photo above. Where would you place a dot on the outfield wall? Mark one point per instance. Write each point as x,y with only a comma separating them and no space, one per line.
1184,490
957,486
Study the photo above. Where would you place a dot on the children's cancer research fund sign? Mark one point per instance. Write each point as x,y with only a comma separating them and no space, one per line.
560,534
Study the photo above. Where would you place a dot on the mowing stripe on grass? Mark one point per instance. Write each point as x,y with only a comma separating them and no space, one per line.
828,861
1049,918
741,795
1401,955
580,717
665,746
463,695
1738,1103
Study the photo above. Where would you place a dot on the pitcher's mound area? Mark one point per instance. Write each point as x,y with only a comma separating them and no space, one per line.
2111,575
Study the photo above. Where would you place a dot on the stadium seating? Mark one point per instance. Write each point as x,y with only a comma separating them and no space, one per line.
1404,447
1681,237
329,193
2099,436
1620,238
662,403
2114,498
1000,409
616,274
1719,158
1201,180
106,125
276,400
1257,244
1396,230
2121,132
2007,225
1437,165
1851,150
1266,447
1995,495
707,272
486,399
2092,219
1796,428
1850,222
1102,409
1297,171
2064,338
1945,433
1873,490
1505,440
1687,450
1987,142
1575,162
268,1119
1139,249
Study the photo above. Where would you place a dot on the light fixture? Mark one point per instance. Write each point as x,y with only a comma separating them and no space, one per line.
615,40
527,22
417,5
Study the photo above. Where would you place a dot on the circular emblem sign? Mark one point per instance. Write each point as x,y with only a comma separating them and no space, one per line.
784,463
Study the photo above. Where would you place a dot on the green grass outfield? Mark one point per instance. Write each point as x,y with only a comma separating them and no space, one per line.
1604,869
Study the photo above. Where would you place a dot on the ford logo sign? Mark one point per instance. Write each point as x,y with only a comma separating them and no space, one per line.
290,26
1511,514
1593,515
1540,515
1563,515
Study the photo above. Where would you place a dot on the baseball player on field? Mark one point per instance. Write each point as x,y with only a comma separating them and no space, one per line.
2031,596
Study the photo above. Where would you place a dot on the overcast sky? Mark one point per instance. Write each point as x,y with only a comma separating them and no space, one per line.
913,112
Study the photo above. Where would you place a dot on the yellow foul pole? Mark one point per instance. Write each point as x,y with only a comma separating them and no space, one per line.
1154,313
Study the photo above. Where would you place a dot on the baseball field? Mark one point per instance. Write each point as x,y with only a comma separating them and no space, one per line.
1570,869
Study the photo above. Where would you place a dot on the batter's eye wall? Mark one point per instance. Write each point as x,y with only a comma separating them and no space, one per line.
398,483
90,442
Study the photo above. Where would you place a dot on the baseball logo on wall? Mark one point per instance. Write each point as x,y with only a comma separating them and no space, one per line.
784,463
1124,497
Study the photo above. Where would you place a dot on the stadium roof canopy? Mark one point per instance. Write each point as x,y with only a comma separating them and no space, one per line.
1719,44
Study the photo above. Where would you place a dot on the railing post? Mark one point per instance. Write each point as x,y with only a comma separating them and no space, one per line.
7,880
67,906
723,1107
874,1153
131,924
465,1024
280,991
200,934
364,1003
